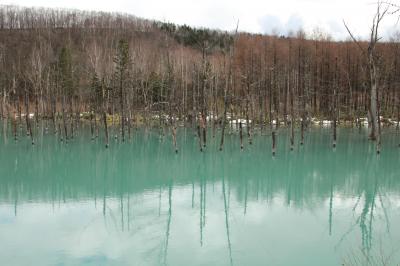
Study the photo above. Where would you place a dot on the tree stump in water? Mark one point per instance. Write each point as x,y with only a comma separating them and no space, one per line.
273,143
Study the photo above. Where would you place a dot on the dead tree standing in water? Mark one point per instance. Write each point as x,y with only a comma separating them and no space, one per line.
371,57
105,91
199,137
28,122
228,87
241,135
273,143
65,73
334,104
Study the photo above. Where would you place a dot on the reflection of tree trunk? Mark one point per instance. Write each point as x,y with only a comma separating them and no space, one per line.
201,212
330,209
159,201
227,221
16,189
202,208
122,210
245,197
128,213
204,201
366,231
168,222
104,188
192,194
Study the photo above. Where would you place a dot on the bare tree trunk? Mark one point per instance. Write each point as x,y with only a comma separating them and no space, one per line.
229,84
199,137
248,123
130,123
273,142
398,115
204,126
3,103
36,108
241,135
373,102
334,103
28,123
221,145
378,139
53,111
15,125
64,120
292,120
91,125
71,118
302,131
174,138
122,118
334,132
105,127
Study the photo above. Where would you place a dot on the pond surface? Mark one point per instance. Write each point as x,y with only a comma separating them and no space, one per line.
139,203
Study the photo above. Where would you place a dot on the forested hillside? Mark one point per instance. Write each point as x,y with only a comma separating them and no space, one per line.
59,64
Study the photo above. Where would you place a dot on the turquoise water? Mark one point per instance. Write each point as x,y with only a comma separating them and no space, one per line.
139,203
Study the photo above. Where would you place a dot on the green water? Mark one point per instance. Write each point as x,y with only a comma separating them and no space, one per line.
139,203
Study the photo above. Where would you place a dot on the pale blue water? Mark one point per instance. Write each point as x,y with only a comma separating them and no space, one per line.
139,203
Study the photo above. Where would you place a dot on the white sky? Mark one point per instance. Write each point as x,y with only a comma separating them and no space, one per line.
261,16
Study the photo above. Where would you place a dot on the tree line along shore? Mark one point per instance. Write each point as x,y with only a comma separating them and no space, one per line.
118,70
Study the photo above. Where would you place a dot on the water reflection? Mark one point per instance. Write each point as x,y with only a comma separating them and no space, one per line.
215,208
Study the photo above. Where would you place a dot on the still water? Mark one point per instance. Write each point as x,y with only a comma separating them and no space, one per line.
139,203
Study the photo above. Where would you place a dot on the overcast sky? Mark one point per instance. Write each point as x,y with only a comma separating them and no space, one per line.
261,16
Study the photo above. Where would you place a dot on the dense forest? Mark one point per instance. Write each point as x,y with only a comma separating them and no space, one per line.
117,70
